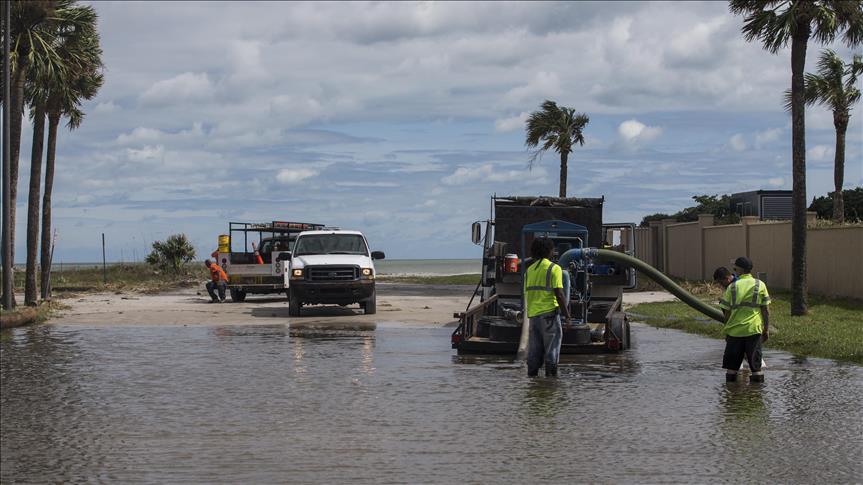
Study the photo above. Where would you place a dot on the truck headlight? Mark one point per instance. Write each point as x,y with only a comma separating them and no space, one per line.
367,273
297,273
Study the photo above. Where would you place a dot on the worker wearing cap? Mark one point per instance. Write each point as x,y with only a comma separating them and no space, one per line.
744,305
219,281
544,300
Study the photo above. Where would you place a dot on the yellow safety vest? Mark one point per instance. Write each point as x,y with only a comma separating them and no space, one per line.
540,281
744,298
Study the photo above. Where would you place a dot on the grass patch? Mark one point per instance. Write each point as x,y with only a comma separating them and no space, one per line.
459,279
24,315
120,277
833,328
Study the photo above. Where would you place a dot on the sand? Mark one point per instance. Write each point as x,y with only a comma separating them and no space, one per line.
398,305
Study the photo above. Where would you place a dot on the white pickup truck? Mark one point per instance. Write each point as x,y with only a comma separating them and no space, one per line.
331,266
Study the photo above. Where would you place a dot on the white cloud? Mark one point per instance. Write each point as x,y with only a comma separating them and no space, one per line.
634,132
106,107
294,176
487,172
820,153
512,123
776,182
146,154
543,85
769,135
188,86
737,143
367,184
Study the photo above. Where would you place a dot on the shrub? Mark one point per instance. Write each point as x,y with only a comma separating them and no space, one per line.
172,254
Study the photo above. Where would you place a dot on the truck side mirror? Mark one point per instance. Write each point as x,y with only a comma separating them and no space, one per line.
378,255
285,256
476,233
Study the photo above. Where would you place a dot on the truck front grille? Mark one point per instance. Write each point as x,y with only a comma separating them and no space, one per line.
334,273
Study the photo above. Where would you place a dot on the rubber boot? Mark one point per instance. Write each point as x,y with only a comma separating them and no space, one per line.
730,377
759,378
550,370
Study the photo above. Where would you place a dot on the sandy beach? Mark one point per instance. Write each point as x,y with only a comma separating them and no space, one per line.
398,304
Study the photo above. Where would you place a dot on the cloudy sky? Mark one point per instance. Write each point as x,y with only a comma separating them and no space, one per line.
402,119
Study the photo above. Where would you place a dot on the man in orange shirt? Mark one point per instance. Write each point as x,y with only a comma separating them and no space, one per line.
219,281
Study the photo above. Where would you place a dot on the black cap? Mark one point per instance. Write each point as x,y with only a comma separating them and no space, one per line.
743,263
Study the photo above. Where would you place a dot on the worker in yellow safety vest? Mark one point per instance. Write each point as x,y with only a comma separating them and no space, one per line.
744,305
544,301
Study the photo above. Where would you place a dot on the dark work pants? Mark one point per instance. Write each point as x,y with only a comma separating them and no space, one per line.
543,347
212,286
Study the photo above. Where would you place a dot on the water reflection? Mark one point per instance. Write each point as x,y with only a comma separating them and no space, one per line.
263,405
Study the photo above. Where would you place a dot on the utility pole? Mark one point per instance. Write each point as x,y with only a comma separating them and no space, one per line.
6,246
104,265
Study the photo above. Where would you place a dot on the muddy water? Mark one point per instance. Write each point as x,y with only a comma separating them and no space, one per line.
256,405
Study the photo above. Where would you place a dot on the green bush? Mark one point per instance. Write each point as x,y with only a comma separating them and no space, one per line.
172,254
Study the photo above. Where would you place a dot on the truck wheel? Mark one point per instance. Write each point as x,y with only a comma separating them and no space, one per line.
237,296
294,305
370,306
628,335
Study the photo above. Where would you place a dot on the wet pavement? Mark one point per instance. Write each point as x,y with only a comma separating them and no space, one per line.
262,404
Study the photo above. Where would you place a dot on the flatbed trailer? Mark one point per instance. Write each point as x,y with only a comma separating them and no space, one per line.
274,241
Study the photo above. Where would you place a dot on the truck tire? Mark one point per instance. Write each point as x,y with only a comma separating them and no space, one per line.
294,305
370,306
237,296
628,334
619,327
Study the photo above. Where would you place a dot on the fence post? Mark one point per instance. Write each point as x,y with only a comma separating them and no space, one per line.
104,266
664,253
745,221
704,220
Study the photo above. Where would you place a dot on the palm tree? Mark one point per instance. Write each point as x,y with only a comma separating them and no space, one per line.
38,117
775,23
835,86
70,51
555,127
35,26
65,94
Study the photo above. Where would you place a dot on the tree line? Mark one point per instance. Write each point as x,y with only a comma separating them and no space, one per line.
775,24
56,65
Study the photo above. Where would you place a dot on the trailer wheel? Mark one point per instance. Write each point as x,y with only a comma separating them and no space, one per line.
370,306
294,305
237,296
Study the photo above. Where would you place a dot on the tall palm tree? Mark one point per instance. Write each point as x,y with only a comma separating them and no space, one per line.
33,32
38,117
835,86
65,95
775,23
70,48
558,128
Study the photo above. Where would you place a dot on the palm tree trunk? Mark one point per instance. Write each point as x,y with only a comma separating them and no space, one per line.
798,171
45,277
840,122
564,157
16,108
30,292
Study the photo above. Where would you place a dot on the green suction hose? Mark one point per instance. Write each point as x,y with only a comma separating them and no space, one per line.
659,277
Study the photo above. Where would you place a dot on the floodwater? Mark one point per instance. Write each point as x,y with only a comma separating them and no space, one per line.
257,405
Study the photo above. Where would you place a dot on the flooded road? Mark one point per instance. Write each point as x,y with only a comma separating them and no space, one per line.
255,404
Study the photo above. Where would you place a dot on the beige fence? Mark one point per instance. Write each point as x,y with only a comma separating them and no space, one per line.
693,250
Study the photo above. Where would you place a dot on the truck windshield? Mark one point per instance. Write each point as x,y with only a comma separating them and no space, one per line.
331,244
